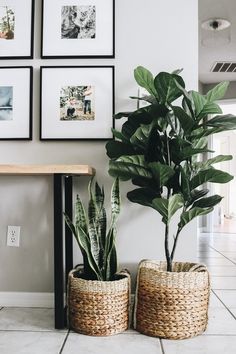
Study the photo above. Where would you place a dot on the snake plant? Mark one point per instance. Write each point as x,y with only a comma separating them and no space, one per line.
95,238
160,148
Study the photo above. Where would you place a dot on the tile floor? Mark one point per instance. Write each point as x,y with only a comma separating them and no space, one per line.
30,330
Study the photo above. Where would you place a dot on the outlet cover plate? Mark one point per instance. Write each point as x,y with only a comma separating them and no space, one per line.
13,236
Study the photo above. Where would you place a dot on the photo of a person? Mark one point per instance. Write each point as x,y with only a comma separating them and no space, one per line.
77,103
87,99
71,107
6,103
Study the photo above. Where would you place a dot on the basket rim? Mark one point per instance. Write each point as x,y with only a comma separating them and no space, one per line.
199,266
123,274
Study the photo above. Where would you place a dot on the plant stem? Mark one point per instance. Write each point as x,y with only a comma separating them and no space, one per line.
167,252
175,244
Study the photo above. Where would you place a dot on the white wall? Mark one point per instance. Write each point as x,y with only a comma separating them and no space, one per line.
161,35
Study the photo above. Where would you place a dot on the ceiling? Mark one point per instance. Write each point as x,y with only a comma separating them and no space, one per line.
208,55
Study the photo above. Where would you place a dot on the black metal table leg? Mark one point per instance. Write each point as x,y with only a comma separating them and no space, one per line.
58,251
68,233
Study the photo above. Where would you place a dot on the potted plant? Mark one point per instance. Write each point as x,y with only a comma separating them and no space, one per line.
98,296
160,148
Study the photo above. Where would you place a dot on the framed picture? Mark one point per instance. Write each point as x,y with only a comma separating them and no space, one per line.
16,29
16,103
78,29
77,102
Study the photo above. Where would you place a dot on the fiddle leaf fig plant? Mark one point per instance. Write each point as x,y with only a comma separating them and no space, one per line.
96,239
161,146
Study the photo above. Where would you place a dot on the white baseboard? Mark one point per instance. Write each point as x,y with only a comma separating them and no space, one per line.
20,299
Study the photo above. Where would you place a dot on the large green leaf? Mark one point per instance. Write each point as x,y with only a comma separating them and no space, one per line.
197,194
203,107
144,78
117,134
168,207
141,136
116,149
227,122
210,175
208,202
122,115
162,173
186,121
143,196
129,167
217,92
188,216
185,187
213,160
166,87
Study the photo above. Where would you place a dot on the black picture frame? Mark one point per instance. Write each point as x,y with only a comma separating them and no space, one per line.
21,82
53,46
28,30
103,94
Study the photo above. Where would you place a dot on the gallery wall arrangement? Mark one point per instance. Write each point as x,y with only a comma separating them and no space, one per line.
76,102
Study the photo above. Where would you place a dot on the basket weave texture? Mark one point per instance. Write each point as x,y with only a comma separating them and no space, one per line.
171,305
98,308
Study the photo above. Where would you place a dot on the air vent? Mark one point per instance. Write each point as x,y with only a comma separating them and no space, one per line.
224,67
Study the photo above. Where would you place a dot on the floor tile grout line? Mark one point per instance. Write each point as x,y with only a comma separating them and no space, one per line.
223,255
224,305
162,347
64,342
32,331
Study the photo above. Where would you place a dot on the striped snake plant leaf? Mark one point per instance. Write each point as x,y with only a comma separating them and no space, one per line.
111,268
115,201
91,204
94,242
86,244
99,197
110,254
80,215
102,228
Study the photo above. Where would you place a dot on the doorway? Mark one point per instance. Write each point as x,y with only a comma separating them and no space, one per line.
223,219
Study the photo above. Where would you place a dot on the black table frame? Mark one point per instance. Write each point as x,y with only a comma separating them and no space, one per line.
63,251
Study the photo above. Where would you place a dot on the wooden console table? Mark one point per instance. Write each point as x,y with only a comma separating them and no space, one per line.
63,252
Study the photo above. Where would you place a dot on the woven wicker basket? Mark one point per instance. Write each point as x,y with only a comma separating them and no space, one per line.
172,305
98,308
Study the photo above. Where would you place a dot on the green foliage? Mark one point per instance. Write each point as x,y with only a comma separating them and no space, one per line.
159,146
95,240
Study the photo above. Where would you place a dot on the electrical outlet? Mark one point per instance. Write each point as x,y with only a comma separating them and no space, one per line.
13,236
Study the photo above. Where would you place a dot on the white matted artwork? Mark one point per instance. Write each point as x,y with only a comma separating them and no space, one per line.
16,29
16,103
78,28
77,102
